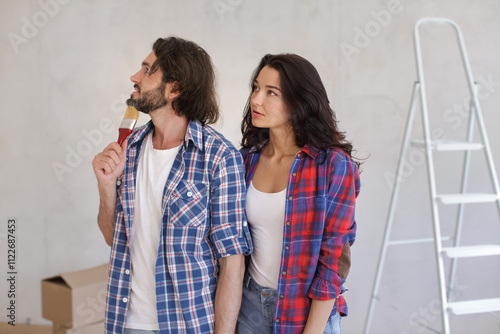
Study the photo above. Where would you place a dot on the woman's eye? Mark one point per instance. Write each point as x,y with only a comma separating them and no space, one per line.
271,92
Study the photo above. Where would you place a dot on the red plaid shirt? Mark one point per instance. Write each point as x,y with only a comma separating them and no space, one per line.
319,220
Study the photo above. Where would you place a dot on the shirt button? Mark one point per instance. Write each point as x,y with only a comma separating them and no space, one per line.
288,223
283,273
298,155
244,223
127,272
290,198
287,248
277,321
294,174
125,300
282,296
118,183
265,294
189,194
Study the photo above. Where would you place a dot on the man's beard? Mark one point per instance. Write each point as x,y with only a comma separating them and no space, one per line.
150,101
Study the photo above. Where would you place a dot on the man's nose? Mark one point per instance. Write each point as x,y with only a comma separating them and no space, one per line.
135,78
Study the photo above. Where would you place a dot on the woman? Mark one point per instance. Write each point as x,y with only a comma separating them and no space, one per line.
302,185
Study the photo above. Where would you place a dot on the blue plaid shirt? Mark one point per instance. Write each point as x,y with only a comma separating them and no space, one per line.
203,220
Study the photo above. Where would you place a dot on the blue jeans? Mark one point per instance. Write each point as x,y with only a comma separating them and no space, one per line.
139,331
258,305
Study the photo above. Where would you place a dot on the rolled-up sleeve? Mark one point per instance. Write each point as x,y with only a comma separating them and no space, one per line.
339,230
229,233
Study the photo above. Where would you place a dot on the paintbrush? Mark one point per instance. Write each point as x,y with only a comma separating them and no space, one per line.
128,123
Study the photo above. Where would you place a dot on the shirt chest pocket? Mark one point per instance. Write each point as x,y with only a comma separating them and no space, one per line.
189,204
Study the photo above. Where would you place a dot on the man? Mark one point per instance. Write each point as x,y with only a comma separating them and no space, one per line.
172,204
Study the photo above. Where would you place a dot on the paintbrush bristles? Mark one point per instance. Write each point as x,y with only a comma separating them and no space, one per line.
131,113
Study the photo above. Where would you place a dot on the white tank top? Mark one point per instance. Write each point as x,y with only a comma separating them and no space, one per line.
152,173
266,215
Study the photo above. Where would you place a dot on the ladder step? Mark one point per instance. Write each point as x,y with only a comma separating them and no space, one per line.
449,145
466,198
415,241
472,251
475,306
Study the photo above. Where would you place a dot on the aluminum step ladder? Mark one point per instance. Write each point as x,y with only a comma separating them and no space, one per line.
462,198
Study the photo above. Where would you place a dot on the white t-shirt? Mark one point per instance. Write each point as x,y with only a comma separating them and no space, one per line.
266,215
152,173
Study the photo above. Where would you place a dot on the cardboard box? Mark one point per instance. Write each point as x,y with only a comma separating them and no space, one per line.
97,328
75,299
5,328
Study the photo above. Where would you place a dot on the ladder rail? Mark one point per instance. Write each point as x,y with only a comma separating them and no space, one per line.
487,151
478,113
392,206
461,207
431,175
419,93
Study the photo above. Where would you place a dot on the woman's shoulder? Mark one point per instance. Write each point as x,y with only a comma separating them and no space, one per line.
335,156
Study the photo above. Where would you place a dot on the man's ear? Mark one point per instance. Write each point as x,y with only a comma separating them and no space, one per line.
172,91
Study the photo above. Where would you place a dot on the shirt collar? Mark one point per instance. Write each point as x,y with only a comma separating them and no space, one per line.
194,133
140,134
309,150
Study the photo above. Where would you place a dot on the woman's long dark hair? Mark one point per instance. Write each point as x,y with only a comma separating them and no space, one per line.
313,121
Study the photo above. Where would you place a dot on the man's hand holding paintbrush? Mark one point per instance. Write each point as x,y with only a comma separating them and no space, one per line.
108,166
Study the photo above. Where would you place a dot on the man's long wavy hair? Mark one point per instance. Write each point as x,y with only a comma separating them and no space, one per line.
312,120
190,67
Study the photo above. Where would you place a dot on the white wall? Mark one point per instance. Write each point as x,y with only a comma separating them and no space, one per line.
70,76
